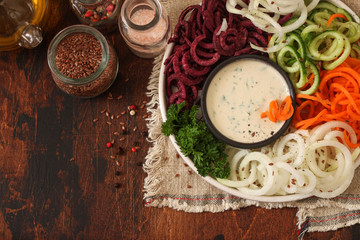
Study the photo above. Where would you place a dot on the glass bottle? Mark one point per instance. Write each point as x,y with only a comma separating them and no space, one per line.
145,27
19,23
81,61
100,14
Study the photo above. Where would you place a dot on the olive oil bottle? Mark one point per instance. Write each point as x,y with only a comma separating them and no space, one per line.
19,23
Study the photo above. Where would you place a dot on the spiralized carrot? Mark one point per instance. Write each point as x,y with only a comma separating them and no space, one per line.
282,113
336,15
337,98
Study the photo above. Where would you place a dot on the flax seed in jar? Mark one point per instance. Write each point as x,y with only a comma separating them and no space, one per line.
82,62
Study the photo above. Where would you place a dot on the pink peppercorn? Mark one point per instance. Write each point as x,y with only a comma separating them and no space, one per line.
89,13
110,8
132,107
133,149
109,145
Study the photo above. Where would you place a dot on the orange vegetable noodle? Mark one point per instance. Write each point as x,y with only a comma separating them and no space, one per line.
279,113
337,98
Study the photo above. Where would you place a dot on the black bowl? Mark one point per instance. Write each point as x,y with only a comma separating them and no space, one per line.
212,127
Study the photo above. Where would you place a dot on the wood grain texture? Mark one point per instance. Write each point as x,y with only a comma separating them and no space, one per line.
57,177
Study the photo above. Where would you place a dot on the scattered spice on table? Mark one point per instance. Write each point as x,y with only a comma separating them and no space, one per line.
132,107
116,155
123,130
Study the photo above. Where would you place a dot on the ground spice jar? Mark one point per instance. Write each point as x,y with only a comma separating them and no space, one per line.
145,27
82,62
100,14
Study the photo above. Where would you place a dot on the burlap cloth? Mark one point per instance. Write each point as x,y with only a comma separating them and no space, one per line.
170,183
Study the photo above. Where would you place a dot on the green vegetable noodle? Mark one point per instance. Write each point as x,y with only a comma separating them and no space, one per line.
196,141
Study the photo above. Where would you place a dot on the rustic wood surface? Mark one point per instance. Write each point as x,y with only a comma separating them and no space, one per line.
57,177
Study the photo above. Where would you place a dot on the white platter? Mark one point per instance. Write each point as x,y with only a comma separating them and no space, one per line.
189,162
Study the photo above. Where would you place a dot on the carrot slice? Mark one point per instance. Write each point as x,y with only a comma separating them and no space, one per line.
273,108
336,15
337,98
286,109
325,103
348,142
282,113
302,106
311,121
352,62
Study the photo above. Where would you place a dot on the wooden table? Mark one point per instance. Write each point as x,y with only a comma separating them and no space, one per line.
59,180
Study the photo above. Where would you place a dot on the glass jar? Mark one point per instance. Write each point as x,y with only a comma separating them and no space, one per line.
145,27
81,61
100,14
19,23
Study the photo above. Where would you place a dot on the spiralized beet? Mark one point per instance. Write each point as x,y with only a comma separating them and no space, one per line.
202,61
285,18
260,38
201,42
192,69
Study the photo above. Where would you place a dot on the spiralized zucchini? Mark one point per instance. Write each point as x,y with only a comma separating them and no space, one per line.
324,40
303,162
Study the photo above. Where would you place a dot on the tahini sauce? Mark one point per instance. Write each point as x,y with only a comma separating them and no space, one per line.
237,96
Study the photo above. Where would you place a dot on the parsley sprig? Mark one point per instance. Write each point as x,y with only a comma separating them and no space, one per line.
196,141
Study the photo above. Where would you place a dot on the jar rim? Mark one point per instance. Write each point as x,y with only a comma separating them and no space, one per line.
75,29
156,7
91,3
123,25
